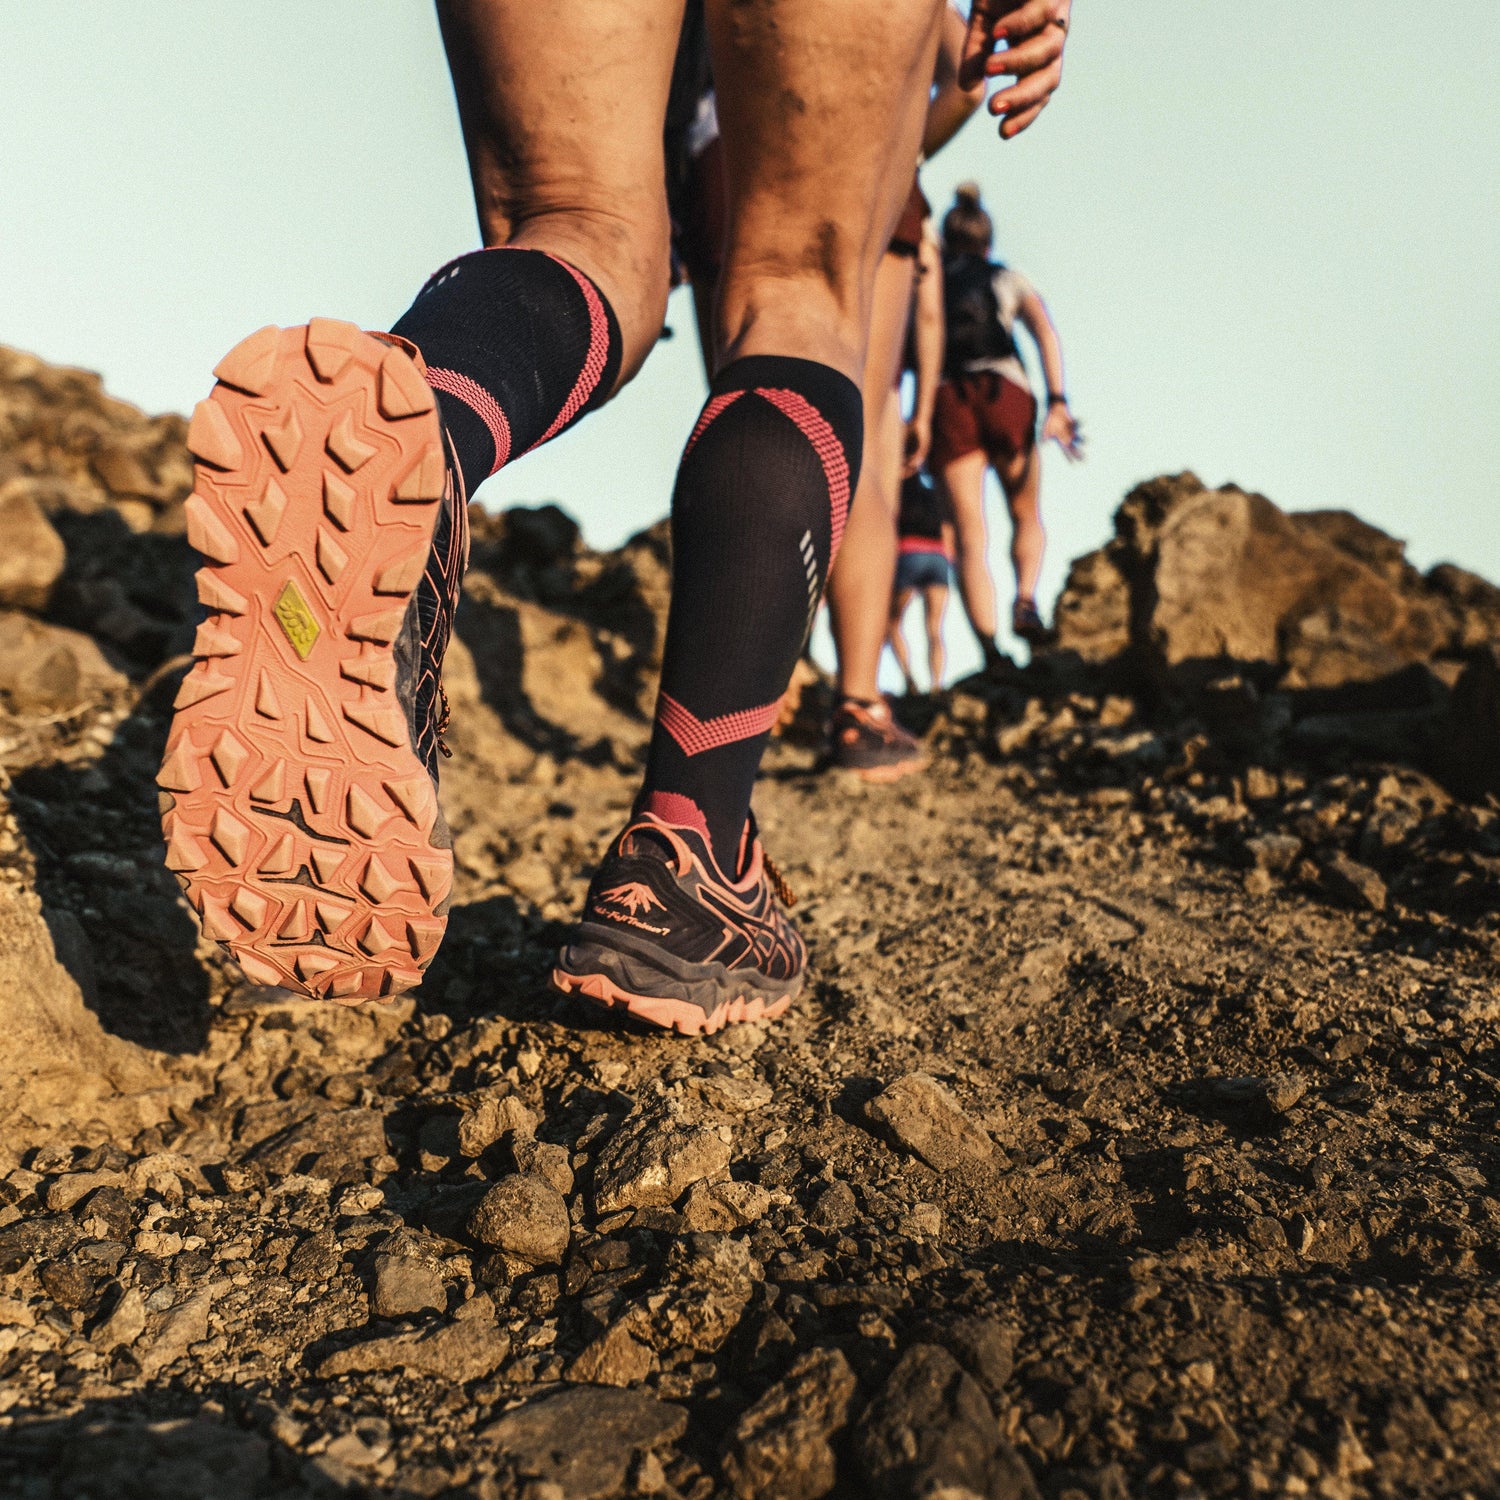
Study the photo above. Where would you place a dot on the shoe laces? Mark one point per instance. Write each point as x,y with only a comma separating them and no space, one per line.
784,892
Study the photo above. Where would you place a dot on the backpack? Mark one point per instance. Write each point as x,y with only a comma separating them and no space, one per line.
972,314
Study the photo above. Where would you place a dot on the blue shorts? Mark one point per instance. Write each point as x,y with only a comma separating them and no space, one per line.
923,570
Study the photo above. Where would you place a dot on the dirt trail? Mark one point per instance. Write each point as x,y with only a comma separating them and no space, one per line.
1135,1135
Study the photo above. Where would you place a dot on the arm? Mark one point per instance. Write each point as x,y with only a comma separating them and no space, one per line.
1059,424
928,337
1034,32
952,103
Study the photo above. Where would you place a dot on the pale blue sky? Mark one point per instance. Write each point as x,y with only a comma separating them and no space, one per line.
1270,236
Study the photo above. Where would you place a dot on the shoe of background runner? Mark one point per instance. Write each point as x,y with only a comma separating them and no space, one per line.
299,787
667,937
866,739
1026,623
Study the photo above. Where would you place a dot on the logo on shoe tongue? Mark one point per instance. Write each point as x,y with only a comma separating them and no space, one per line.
632,898
298,623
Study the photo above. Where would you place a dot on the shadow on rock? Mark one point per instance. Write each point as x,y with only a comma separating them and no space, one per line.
112,906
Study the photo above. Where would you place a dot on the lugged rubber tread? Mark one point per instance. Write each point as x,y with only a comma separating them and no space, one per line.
297,815
681,1016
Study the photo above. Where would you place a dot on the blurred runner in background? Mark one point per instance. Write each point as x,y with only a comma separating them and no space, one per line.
924,566
985,417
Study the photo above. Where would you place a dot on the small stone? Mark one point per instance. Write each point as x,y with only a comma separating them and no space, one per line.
652,1159
317,1258
724,1205
490,1114
32,554
405,1284
617,1357
1353,884
545,1160
781,1447
918,1115
170,1335
66,1191
460,1351
1273,852
834,1207
930,1430
584,1441
985,1347
524,1217
126,1322
732,1096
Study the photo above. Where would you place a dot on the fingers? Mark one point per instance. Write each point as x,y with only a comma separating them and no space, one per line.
1027,96
1028,56
1028,19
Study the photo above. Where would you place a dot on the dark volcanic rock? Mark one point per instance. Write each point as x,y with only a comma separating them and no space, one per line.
584,1440
1195,574
930,1426
780,1448
461,1351
525,1217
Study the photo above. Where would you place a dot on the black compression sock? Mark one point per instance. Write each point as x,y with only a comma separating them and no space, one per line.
518,345
761,499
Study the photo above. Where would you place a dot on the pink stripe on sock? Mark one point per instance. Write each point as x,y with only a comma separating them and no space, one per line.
674,808
830,453
480,402
710,411
594,362
695,735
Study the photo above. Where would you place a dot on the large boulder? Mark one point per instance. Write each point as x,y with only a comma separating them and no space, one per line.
1195,575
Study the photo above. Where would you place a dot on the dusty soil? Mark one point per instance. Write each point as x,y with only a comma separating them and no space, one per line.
1134,1135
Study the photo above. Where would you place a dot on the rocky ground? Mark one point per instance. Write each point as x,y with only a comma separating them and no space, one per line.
1135,1134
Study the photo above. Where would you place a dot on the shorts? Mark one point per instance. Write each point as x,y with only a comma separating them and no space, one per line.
981,411
923,570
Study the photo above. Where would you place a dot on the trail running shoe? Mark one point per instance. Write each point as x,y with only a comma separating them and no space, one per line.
866,739
665,935
299,788
1026,622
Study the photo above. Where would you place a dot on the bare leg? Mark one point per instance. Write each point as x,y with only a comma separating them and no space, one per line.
963,480
561,107
897,637
1021,478
935,604
859,588
822,108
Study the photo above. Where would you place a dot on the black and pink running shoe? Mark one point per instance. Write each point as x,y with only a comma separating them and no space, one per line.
665,935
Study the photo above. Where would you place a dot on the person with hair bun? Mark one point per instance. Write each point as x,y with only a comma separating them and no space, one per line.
985,416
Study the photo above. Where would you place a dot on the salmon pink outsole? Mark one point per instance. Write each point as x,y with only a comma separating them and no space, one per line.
671,1015
297,816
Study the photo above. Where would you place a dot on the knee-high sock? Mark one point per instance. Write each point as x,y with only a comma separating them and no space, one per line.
518,344
761,499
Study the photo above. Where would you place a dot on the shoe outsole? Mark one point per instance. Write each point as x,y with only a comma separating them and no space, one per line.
297,815
681,1016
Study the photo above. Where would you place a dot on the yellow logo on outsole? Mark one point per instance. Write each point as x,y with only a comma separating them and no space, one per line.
298,623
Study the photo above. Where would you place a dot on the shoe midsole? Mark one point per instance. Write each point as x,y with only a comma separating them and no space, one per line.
641,967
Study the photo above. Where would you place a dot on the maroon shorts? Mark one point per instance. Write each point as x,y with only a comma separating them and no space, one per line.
981,412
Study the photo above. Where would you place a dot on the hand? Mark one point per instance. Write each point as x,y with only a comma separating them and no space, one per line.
1065,430
918,445
1034,33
